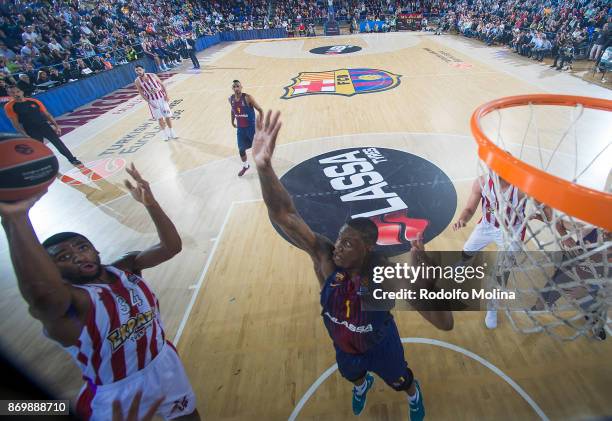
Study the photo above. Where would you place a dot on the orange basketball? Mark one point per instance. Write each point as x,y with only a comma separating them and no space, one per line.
27,167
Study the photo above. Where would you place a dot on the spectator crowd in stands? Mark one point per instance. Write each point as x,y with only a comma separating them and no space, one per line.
563,30
46,43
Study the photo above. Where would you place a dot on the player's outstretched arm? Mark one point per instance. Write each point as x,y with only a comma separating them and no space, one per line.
38,278
281,209
471,207
170,243
442,319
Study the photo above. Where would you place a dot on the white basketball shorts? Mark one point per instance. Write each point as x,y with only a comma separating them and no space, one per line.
485,234
164,376
160,109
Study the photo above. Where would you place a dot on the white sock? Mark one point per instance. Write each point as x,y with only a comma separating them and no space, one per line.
414,398
172,132
245,164
167,132
360,390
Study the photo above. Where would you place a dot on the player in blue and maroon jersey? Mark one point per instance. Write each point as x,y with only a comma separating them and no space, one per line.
364,341
243,118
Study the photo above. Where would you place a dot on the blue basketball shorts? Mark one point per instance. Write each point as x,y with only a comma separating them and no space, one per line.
385,359
245,138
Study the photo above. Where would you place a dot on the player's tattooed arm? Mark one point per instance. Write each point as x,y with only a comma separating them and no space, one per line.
471,207
280,206
38,278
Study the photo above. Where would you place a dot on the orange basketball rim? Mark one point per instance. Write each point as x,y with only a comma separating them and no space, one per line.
584,203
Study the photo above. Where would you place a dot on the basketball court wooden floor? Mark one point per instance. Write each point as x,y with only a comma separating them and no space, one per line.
240,301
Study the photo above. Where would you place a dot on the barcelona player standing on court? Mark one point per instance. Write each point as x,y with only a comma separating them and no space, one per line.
364,341
243,118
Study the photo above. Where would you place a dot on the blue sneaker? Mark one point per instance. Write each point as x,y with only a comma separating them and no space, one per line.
359,401
417,409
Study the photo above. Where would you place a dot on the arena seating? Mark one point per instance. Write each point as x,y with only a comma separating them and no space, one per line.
41,42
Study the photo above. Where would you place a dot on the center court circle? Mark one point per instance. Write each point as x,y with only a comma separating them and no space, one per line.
403,194
536,408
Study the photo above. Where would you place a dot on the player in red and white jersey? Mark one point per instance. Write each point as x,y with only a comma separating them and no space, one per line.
151,89
488,229
105,316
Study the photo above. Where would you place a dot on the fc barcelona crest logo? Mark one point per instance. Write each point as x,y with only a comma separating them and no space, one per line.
347,82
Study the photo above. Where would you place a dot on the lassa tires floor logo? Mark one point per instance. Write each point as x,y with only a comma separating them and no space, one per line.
332,50
404,194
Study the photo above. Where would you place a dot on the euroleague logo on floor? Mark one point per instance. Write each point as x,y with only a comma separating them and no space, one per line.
403,194
332,50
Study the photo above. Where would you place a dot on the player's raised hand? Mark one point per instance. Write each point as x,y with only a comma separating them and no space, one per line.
132,414
8,209
141,191
265,138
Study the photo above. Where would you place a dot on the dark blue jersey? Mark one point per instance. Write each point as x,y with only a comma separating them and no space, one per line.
352,329
244,113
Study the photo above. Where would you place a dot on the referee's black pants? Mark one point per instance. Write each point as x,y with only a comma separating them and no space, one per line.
45,131
194,58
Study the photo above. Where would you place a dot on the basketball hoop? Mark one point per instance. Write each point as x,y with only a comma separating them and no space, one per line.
559,231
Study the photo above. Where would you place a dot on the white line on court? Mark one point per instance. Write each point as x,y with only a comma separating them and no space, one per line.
196,287
181,327
313,388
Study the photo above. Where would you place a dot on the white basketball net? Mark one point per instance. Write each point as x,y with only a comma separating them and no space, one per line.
559,268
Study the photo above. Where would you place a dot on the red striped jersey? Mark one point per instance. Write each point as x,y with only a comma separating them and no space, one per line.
123,332
151,87
514,213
